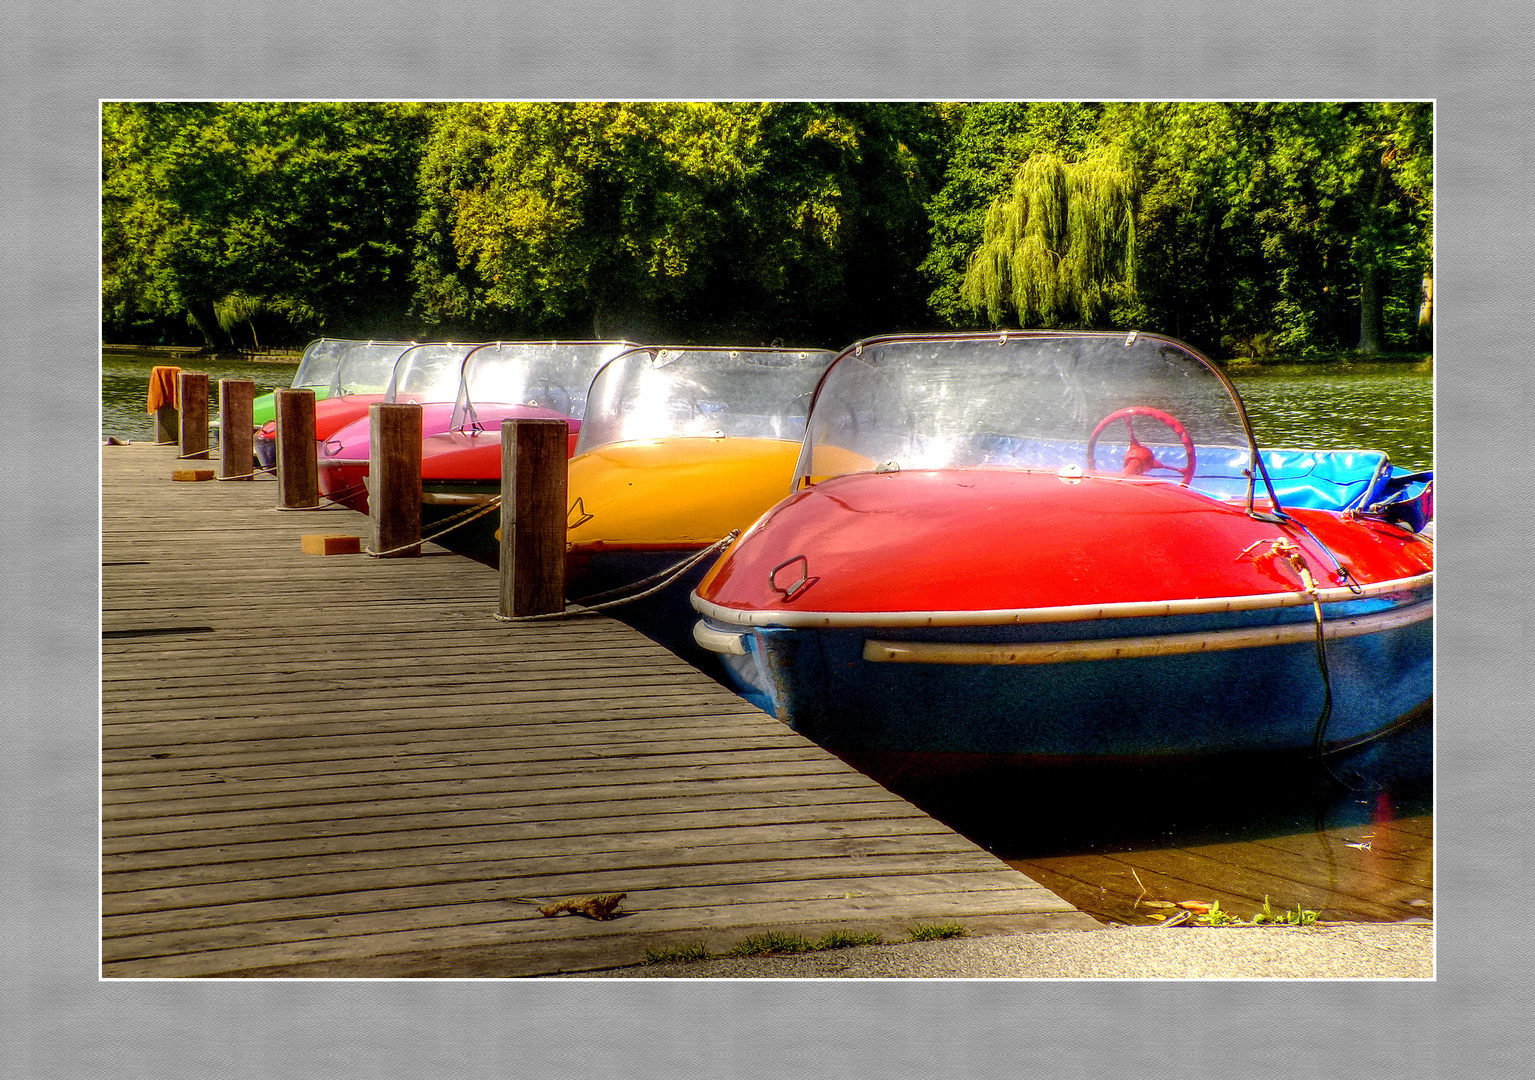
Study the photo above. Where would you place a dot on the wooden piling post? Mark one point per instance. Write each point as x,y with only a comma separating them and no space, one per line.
237,428
394,479
193,392
533,486
298,469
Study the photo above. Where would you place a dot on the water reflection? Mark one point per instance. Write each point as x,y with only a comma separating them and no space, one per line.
1351,838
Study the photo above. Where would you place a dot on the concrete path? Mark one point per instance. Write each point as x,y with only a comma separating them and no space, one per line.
1403,950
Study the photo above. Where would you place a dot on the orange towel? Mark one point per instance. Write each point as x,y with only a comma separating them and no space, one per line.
163,387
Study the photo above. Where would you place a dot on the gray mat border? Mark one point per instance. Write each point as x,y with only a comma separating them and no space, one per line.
60,1021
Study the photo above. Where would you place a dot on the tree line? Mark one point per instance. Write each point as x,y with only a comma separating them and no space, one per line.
1246,228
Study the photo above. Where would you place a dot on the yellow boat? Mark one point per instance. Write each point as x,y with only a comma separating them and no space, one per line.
680,447
675,493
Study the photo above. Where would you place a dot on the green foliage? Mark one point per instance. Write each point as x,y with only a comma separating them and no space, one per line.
991,141
1216,917
769,944
1257,225
769,219
1248,228
297,208
1299,917
936,932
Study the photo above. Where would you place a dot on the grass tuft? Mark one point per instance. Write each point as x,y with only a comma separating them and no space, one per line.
1216,917
1299,917
769,943
928,932
684,955
774,943
839,940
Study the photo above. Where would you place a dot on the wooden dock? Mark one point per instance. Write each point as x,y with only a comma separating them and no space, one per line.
341,766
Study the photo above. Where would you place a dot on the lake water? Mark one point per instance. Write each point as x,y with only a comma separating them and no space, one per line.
1386,407
125,388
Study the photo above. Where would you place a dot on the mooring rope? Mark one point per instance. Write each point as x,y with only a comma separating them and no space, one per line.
333,500
262,470
1292,554
663,579
455,521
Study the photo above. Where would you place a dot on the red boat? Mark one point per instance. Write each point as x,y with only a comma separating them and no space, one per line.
1065,546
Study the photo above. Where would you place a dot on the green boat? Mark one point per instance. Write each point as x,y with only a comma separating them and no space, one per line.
336,366
332,367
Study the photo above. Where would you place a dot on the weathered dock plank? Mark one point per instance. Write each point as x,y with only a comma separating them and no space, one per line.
330,766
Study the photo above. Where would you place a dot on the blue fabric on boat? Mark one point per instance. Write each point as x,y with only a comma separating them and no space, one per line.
1305,479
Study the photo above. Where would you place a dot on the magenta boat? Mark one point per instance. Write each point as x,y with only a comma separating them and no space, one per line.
344,375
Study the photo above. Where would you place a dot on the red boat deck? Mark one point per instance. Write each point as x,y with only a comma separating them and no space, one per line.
346,767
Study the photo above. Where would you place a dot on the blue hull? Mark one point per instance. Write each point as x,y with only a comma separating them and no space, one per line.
1258,699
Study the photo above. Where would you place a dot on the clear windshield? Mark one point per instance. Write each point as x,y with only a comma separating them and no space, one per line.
551,374
317,367
662,393
1029,399
366,367
428,372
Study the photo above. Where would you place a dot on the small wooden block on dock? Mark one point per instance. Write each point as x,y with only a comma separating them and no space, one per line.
192,474
329,544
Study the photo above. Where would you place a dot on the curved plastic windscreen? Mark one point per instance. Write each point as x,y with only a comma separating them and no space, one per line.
317,367
550,374
667,393
1027,400
366,367
427,373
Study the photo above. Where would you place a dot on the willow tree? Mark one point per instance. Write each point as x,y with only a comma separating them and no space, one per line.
237,308
1060,244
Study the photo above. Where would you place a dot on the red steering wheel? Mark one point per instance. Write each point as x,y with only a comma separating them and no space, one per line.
1138,459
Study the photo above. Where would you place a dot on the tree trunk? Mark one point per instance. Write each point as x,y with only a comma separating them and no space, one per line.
1426,307
1370,319
1371,305
207,321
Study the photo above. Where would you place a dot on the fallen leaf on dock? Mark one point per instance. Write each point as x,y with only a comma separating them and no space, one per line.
1158,904
600,908
1198,907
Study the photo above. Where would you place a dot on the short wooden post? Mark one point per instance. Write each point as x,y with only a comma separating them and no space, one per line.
298,469
194,414
167,425
533,485
394,479
164,385
237,427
